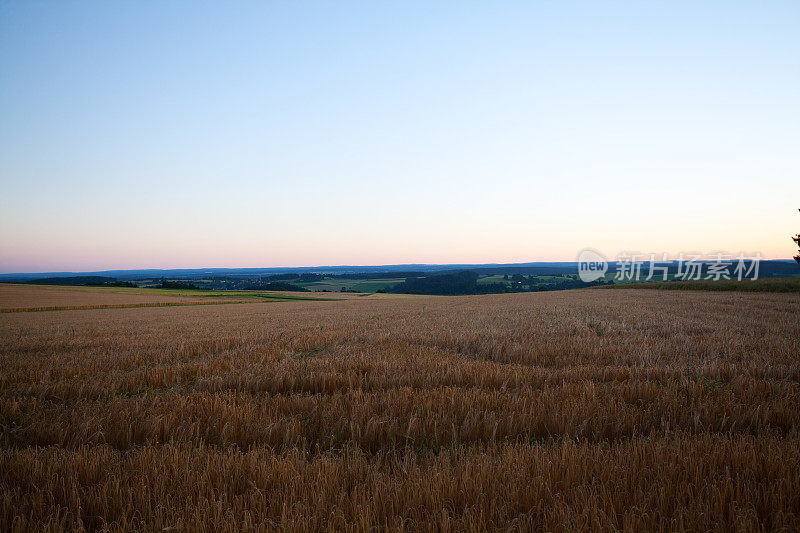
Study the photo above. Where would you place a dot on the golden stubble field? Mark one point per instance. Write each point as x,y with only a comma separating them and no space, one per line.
18,298
618,409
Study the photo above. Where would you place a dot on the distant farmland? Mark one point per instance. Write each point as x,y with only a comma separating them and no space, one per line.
781,284
616,409
356,285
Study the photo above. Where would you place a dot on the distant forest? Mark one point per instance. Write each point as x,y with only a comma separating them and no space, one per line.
483,279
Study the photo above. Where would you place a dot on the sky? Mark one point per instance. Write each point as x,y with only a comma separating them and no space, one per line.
237,134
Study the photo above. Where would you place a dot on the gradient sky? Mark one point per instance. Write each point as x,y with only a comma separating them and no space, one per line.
226,134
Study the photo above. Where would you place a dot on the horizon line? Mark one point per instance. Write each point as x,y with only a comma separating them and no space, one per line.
167,269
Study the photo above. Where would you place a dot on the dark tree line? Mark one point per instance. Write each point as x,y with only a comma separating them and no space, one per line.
165,284
796,240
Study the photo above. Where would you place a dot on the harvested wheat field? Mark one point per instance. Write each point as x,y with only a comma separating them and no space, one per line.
27,298
615,409
16,298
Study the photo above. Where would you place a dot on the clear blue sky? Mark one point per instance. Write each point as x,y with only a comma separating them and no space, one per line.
191,134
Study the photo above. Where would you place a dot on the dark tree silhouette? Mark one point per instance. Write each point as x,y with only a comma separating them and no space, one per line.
796,240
